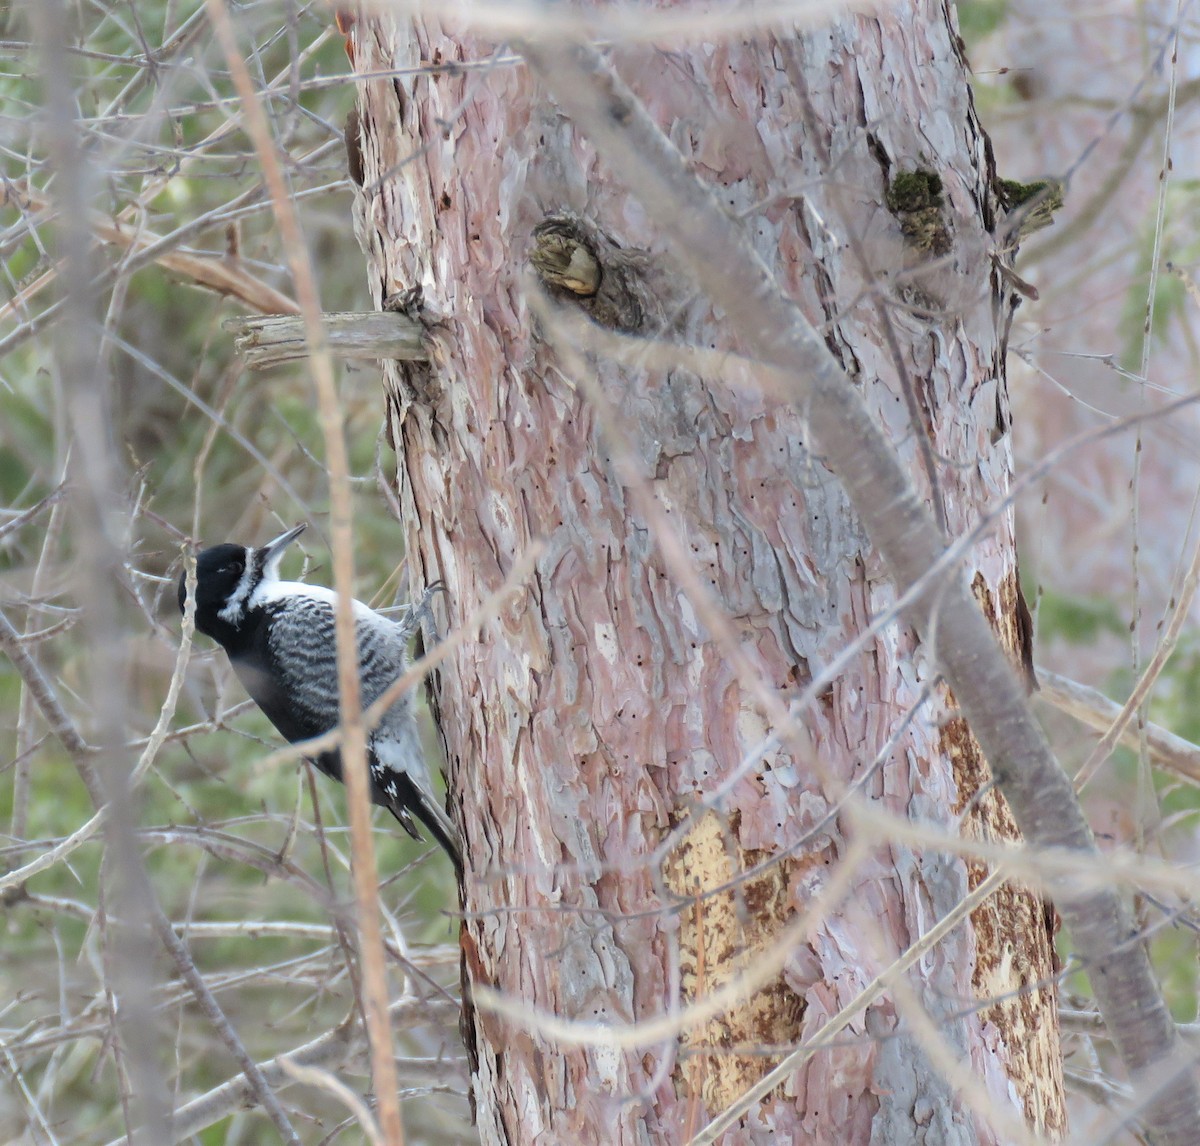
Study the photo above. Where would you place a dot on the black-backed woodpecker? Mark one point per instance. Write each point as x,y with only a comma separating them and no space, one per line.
280,639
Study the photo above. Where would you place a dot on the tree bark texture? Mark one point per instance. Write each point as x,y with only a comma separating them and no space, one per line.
588,719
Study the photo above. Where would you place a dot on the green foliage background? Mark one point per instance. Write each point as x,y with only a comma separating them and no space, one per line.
223,839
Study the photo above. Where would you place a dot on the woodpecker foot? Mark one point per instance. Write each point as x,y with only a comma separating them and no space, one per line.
420,611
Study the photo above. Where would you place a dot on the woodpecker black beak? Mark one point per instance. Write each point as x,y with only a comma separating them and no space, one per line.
272,552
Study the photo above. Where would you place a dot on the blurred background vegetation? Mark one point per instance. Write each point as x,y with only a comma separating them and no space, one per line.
210,453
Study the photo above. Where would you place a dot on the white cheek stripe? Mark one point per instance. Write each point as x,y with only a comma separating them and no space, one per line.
268,592
236,606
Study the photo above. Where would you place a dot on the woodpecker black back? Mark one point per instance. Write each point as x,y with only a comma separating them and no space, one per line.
280,639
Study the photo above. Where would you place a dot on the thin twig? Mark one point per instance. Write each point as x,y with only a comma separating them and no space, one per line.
1169,752
334,1047
79,752
1134,707
354,747
323,1080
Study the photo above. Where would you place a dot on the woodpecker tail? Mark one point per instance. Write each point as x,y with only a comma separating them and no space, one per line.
406,798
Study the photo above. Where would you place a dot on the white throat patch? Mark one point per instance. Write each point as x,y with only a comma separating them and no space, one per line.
235,608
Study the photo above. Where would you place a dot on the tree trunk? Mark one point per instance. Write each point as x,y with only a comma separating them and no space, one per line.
604,702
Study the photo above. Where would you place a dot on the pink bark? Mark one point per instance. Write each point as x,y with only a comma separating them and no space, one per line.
583,723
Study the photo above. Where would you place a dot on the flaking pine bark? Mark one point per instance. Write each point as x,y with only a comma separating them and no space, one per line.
605,701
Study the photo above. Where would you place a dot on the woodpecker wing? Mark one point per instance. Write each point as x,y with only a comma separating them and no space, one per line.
292,675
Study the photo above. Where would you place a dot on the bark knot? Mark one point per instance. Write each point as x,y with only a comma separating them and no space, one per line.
580,265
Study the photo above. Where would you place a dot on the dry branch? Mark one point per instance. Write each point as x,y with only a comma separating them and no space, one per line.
332,1050
354,745
80,755
275,339
1167,751
223,275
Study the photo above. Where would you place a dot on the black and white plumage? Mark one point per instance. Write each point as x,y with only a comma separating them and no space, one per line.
280,639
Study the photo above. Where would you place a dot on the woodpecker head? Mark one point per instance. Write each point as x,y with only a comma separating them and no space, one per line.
226,578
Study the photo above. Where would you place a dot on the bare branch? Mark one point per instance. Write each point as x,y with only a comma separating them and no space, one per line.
1170,752
354,746
277,338
43,694
329,1050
